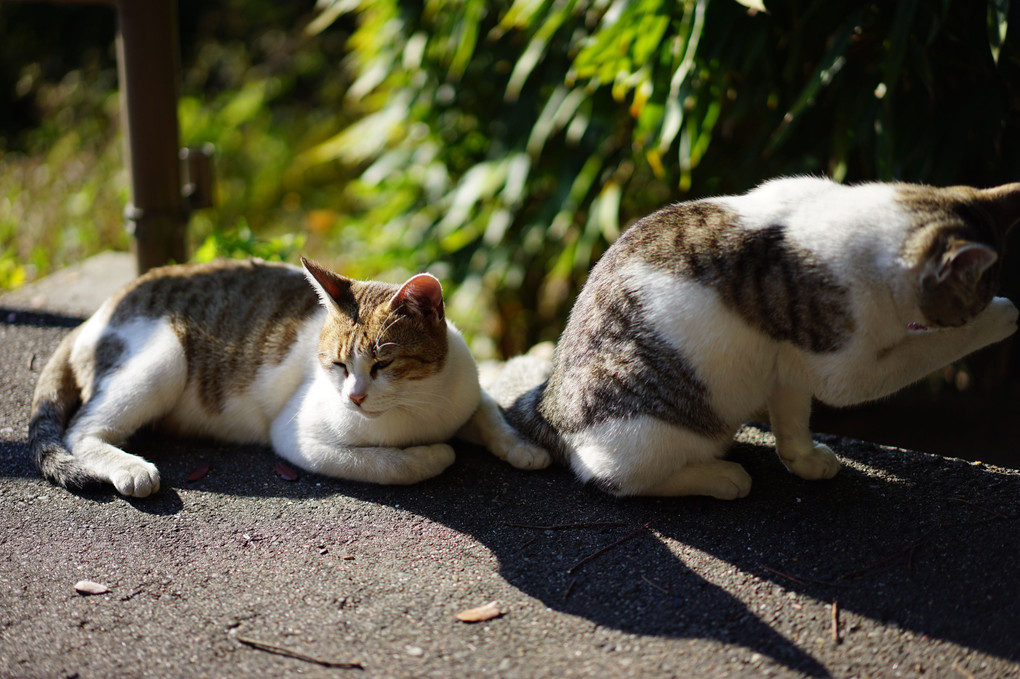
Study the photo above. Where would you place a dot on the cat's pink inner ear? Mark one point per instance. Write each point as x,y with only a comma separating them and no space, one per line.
330,286
966,261
422,294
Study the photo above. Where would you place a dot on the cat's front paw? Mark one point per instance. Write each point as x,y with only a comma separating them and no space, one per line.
524,455
817,463
1000,320
518,452
424,462
136,479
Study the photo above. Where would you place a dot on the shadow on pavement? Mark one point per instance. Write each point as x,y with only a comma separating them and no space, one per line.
906,539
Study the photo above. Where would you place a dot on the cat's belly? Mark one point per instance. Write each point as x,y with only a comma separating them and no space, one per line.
245,416
241,420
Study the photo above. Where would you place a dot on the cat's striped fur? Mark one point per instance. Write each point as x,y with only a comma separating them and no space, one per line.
360,380
702,313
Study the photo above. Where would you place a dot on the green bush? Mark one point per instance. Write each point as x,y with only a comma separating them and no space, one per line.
501,145
512,143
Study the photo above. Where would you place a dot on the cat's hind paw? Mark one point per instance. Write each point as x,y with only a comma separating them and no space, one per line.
817,463
136,479
1000,317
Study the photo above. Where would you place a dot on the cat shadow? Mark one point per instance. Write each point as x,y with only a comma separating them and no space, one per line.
39,319
913,541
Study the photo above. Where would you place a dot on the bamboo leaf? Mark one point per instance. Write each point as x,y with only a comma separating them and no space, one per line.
756,5
998,22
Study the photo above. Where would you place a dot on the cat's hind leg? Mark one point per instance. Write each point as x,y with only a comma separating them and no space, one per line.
721,479
131,387
790,413
646,456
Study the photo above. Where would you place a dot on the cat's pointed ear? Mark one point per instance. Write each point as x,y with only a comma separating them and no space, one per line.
1003,204
421,295
965,261
334,290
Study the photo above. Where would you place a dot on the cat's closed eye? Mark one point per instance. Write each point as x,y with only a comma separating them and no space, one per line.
341,366
381,365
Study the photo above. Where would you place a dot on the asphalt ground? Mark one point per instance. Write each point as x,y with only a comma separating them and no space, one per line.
905,564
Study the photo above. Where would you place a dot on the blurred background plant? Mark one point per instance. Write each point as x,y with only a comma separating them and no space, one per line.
504,145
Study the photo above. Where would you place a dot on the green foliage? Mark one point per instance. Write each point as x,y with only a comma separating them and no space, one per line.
512,143
500,145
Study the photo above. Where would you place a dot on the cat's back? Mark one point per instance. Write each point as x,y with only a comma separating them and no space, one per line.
233,325
232,298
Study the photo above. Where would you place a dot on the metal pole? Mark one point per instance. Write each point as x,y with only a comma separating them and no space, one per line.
148,64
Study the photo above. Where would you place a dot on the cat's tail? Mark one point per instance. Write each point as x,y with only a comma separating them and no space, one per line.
56,397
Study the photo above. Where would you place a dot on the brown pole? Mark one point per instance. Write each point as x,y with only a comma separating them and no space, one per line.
148,64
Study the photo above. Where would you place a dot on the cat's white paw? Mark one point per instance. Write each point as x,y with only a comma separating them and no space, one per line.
731,483
136,479
817,463
518,452
424,462
524,455
721,479
999,319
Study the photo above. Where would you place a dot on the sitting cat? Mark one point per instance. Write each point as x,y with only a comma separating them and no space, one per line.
704,312
360,380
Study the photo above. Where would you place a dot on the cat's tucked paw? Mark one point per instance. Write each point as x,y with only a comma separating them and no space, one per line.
518,452
732,483
136,479
817,463
524,455
424,462
721,479
1000,318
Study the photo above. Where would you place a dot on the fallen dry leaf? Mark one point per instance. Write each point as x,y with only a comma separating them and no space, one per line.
89,587
285,472
480,614
198,473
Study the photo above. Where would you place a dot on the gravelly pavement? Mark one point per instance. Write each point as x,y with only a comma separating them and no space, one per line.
909,560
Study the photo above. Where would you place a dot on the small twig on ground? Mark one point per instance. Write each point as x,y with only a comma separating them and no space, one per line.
976,505
567,526
909,549
802,581
661,589
835,622
297,655
964,673
605,549
570,589
527,544
785,575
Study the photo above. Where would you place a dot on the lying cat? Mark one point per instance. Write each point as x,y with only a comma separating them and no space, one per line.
359,380
704,312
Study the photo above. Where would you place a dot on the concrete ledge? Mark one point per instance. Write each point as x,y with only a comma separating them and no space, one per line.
76,290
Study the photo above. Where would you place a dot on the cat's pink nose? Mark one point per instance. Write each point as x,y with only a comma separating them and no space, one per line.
358,398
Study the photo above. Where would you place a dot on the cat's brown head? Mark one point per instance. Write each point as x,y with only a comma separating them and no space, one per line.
956,246
379,339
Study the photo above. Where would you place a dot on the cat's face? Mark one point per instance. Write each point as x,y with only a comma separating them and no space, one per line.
380,342
955,247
